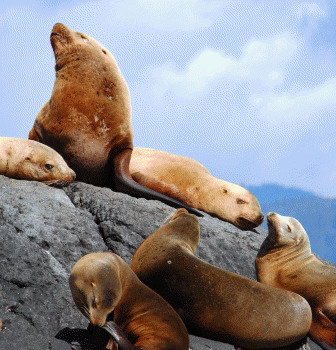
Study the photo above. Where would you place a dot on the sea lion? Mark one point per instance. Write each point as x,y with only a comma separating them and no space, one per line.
31,160
285,261
88,117
105,288
190,182
212,302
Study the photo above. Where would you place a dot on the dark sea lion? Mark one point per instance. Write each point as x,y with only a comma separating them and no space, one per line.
285,261
105,288
212,302
88,117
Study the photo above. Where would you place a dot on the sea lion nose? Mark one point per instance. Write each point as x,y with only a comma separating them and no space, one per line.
261,218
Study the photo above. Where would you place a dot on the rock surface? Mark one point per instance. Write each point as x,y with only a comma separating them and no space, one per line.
45,230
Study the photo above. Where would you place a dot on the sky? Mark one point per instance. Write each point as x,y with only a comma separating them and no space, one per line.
247,88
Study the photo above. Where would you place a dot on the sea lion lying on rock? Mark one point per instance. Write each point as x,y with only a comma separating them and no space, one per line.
190,182
212,302
30,160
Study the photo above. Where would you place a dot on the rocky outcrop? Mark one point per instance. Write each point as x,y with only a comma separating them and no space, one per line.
45,230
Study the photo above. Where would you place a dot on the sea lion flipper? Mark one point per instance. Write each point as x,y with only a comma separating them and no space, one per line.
119,336
125,183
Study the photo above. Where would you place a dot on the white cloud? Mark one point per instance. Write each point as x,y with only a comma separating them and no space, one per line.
279,108
262,60
310,9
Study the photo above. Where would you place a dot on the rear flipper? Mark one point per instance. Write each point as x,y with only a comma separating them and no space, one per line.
323,329
119,336
124,183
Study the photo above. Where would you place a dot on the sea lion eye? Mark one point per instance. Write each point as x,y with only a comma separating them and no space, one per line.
289,228
240,201
49,166
84,39
94,301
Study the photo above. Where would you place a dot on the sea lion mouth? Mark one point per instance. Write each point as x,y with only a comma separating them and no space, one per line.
248,224
271,224
59,37
57,183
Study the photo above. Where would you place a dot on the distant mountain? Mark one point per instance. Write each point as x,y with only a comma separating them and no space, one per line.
316,214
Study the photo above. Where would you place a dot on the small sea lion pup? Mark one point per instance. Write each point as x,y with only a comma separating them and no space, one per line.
190,182
212,302
105,288
88,117
31,160
285,261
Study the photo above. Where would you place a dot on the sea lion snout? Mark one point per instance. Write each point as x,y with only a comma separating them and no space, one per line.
247,223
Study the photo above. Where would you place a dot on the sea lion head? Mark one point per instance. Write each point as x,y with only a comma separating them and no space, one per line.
285,231
185,227
96,286
240,206
71,47
44,164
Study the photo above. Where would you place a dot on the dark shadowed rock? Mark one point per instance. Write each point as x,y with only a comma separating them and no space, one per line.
45,230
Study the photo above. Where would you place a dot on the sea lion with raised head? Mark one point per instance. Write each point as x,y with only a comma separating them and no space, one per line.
105,288
30,160
212,302
285,261
88,117
190,182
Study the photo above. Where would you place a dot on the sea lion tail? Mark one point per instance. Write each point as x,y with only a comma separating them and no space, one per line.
125,183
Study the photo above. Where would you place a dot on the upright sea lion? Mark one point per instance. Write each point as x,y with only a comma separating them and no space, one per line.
212,302
31,160
105,288
88,118
190,182
285,261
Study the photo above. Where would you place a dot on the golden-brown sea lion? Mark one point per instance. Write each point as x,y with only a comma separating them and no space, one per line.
105,288
190,182
31,160
88,118
285,261
212,302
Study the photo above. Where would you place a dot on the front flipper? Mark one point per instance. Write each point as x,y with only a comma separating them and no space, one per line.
119,336
83,339
124,183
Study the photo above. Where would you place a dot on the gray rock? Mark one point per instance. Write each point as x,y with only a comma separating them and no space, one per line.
45,230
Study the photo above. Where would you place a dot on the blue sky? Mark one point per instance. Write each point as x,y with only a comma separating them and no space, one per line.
248,88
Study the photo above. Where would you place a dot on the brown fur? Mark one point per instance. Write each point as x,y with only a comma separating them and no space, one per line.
285,261
102,283
190,182
30,160
88,118
212,302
